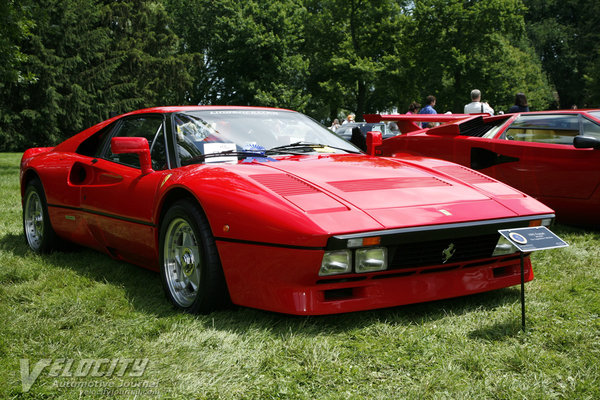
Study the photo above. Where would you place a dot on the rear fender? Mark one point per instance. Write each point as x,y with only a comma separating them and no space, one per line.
26,173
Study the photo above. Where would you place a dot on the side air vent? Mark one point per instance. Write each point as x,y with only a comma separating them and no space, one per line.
284,185
469,127
361,185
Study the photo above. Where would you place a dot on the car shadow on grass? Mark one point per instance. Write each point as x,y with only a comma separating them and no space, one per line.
498,331
142,287
406,315
143,290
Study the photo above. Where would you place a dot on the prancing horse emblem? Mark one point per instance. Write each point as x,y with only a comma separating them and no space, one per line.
448,253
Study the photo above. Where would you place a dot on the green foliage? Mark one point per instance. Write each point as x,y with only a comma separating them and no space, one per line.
89,59
250,51
15,24
357,53
567,40
68,63
479,44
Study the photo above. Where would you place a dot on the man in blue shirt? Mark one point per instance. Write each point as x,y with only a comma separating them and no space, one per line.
428,109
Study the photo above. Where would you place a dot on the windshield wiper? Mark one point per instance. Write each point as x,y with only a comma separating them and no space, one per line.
202,157
307,145
239,153
262,153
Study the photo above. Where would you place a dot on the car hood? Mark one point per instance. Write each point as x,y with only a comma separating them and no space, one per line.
392,192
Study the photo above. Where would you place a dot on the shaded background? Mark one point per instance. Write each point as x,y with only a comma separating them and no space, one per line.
68,63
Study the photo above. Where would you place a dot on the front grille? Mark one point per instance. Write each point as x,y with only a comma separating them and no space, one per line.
443,251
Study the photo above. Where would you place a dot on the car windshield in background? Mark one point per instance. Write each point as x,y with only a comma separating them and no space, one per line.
207,134
590,128
595,113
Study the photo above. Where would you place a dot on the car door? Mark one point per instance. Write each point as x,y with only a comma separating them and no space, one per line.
120,201
548,164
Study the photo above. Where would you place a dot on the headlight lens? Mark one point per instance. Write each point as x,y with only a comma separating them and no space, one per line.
336,262
504,247
371,259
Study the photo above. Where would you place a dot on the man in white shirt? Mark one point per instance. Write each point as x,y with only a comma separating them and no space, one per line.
349,119
476,106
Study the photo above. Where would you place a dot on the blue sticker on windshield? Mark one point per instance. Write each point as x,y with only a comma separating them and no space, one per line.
256,153
254,148
258,159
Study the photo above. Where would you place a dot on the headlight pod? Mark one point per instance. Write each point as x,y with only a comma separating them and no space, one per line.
336,262
370,259
504,247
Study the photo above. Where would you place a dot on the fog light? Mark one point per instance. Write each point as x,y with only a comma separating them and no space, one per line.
371,259
547,222
336,262
504,247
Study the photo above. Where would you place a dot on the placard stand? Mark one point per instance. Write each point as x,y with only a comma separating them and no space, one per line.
522,290
527,240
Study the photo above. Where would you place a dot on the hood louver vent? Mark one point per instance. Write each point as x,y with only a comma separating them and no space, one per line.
361,185
465,174
284,185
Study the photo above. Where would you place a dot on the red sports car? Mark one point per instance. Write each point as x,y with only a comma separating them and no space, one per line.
271,210
553,156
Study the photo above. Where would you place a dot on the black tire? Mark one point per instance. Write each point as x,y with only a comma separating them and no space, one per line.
38,231
190,267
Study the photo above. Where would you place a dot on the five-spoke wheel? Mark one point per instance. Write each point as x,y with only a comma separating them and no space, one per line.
190,268
182,262
36,223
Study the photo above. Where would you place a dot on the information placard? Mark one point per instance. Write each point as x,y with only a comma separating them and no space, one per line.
533,239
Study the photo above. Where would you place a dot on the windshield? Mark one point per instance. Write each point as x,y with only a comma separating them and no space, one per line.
595,113
227,135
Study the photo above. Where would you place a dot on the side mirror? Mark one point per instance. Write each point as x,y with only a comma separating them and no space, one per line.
134,145
586,142
374,140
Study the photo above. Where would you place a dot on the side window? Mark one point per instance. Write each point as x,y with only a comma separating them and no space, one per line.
342,130
591,129
555,129
92,146
149,127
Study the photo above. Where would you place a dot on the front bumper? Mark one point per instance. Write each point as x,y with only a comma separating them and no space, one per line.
286,280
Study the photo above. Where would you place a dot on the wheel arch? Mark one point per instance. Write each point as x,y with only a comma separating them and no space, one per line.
170,198
27,177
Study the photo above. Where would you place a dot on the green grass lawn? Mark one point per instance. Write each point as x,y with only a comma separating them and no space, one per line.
82,305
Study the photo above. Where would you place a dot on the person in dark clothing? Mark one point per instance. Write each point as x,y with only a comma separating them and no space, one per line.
520,104
358,139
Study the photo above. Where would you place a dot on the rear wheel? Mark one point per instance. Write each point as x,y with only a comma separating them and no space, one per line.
39,234
190,267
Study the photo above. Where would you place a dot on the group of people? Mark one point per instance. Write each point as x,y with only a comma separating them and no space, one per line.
476,106
336,122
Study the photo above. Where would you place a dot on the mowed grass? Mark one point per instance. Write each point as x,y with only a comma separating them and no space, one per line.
83,305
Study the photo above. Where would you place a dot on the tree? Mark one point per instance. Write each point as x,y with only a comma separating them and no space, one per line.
249,53
89,58
358,56
567,41
464,45
15,25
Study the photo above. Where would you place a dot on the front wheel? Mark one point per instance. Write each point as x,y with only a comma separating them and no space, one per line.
191,271
39,234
